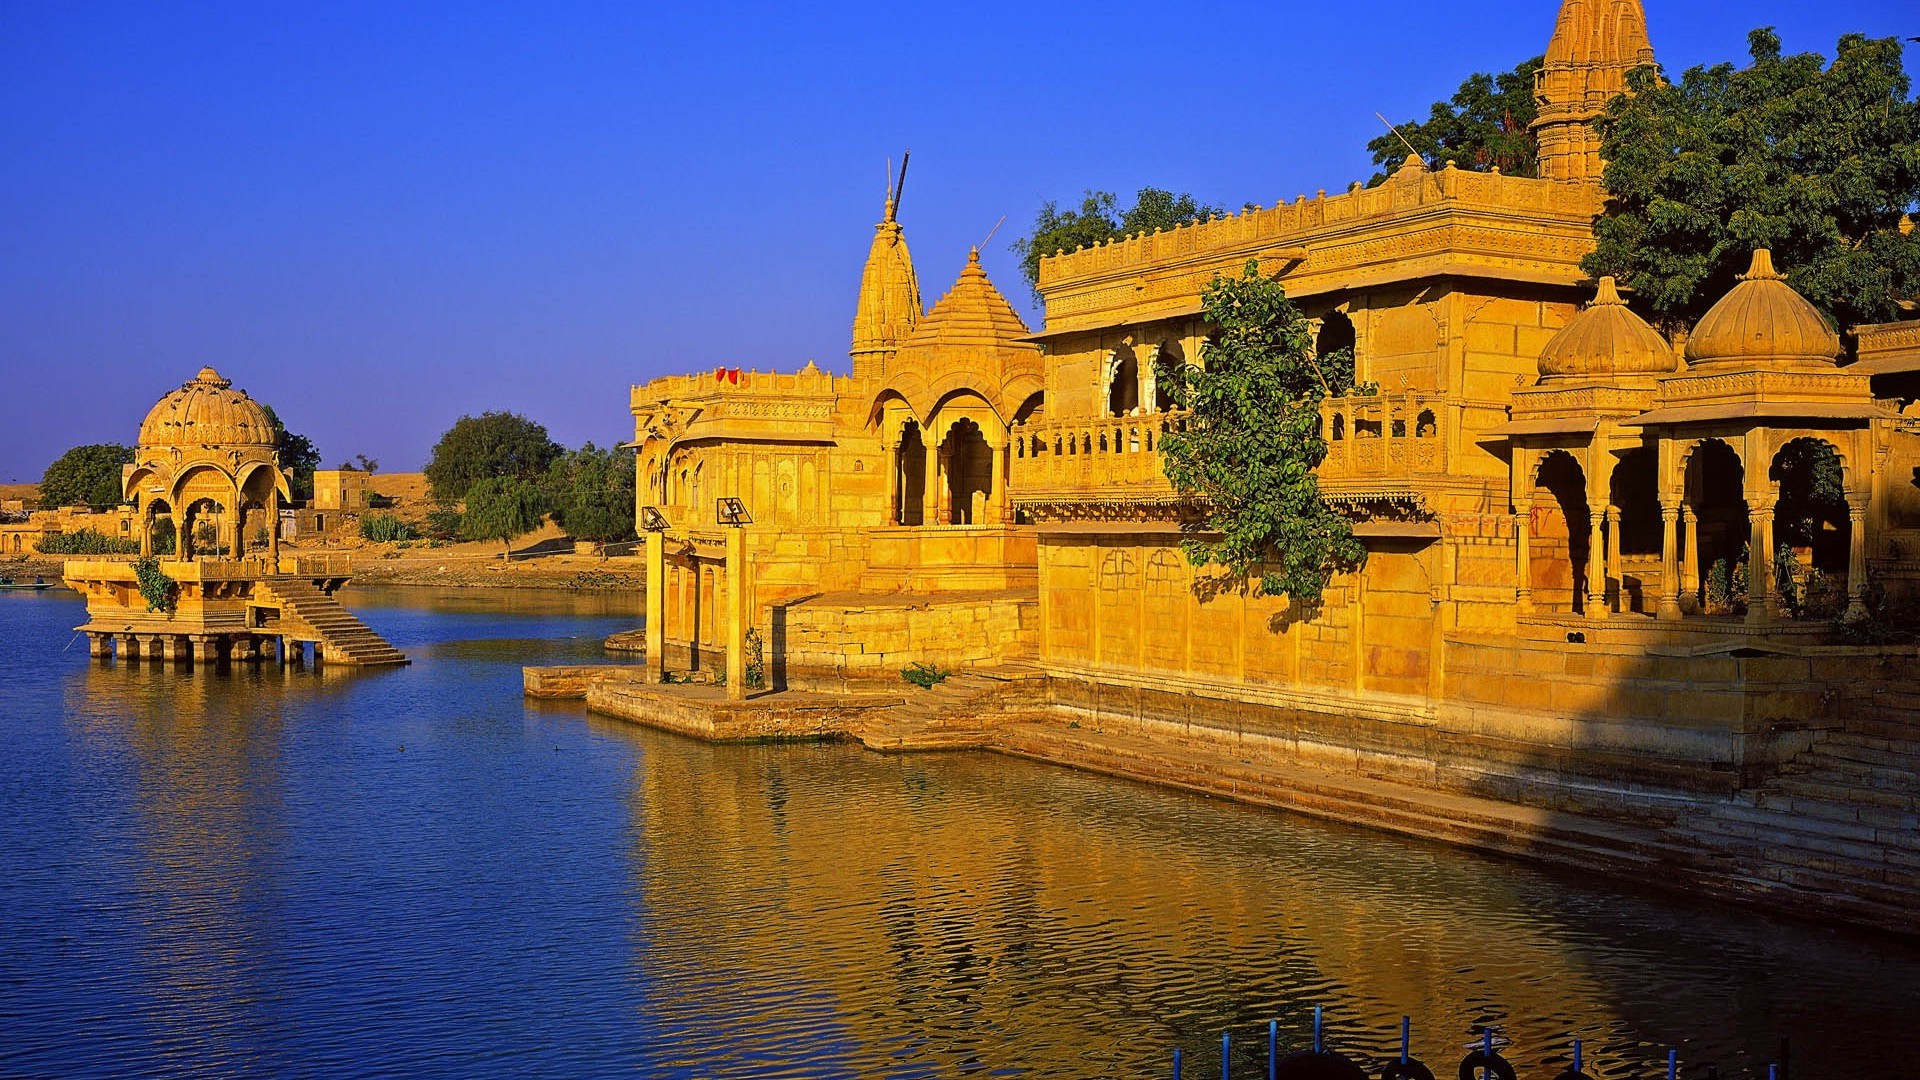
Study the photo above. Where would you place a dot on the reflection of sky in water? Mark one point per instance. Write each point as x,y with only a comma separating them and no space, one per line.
263,871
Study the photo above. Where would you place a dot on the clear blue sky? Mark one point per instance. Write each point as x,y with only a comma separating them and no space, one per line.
378,217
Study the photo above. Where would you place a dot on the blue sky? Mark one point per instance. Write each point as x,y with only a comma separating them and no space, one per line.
379,217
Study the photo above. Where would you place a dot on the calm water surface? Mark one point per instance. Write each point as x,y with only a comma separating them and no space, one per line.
258,872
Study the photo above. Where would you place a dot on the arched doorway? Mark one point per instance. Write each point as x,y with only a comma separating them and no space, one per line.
969,470
1334,347
1811,530
1170,360
1716,530
910,465
1560,527
1123,382
1633,557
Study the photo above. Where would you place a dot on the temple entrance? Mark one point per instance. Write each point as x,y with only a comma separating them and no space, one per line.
910,481
1715,547
969,470
1560,526
200,529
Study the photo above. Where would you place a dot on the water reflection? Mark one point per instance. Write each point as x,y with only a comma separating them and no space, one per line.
266,871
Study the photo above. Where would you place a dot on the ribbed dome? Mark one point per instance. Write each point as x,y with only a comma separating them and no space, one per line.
973,314
1762,320
1606,339
206,412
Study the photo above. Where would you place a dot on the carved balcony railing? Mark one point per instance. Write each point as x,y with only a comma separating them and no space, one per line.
1089,459
1382,437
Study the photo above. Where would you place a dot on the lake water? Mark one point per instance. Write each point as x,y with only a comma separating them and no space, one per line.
267,872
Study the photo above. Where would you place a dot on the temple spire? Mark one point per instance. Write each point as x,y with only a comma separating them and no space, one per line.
1595,43
889,305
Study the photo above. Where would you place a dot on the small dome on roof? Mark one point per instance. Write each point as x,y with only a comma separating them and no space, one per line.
1606,338
206,412
1762,320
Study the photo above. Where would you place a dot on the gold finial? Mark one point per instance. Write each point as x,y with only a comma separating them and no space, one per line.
1762,267
1607,294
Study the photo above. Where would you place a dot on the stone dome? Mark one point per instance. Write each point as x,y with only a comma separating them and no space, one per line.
1763,321
206,412
1604,339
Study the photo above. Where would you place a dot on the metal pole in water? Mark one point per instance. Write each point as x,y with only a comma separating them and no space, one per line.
1673,1065
1486,1072
1316,1029
1576,1055
1176,1063
1273,1050
1406,1038
1226,1055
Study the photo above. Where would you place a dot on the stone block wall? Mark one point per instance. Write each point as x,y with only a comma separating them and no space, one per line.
843,638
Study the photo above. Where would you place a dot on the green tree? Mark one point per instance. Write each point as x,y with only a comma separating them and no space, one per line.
86,475
1252,442
298,456
492,445
1817,162
501,508
592,494
1098,220
1487,124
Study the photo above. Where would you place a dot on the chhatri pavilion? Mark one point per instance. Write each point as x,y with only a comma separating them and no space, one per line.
206,487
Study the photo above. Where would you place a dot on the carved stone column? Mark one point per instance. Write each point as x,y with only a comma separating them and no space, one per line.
1856,560
656,605
1690,557
1596,565
1760,591
996,485
1523,554
1669,608
930,499
1147,361
1615,582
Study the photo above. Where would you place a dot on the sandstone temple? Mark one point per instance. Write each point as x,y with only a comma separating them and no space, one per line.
205,491
1605,568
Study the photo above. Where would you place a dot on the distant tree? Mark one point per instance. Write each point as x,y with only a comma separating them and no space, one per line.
1487,124
367,465
493,445
298,456
1097,221
501,508
1252,442
592,494
1817,162
86,475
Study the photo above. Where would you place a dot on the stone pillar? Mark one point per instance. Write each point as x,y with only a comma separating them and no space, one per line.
1596,565
896,484
173,648
129,647
99,646
146,535
1690,557
657,605
996,486
1523,554
1147,362
273,525
930,500
1615,581
265,648
1760,598
158,648
243,647
736,613
1856,560
1669,609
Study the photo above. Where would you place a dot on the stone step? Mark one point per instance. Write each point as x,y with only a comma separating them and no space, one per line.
1881,752
1829,810
1831,789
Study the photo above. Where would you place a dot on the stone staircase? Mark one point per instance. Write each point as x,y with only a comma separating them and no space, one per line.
1838,829
307,613
950,715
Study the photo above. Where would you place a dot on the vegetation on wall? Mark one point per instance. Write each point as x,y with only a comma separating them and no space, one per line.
1818,162
159,591
1487,124
86,476
1098,220
491,446
1252,441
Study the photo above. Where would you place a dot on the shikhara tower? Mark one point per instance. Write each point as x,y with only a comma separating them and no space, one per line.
1595,44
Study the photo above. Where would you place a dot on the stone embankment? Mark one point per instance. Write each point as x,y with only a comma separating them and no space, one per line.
1837,833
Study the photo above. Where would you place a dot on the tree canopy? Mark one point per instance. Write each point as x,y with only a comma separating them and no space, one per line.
1098,220
1487,124
592,493
501,508
86,475
492,445
1817,162
298,456
1252,442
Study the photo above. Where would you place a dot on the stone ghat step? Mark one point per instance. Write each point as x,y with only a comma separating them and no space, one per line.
1851,840
1480,823
1848,772
1786,863
1816,786
1886,753
1825,809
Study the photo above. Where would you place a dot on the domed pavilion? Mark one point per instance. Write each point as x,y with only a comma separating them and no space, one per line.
207,456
